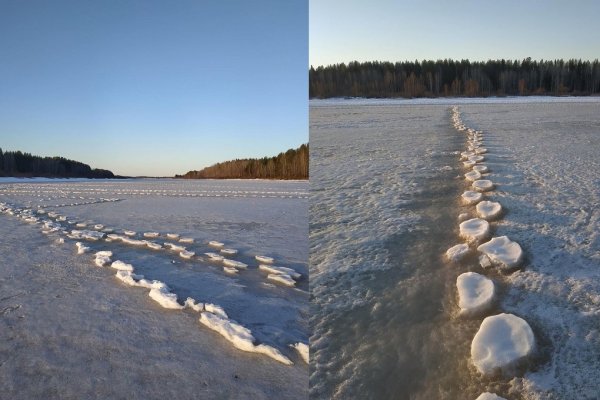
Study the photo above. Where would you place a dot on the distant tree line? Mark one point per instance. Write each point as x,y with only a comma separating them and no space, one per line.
444,78
16,163
293,164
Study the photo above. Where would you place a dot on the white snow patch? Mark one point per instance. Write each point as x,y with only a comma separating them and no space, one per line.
187,254
234,264
214,243
239,336
480,168
129,233
489,396
483,185
502,252
151,234
191,303
502,341
174,247
488,209
230,252
302,349
264,259
472,175
81,248
230,270
474,229
165,298
186,240
122,266
102,258
279,270
173,235
456,253
475,293
471,197
284,279
214,256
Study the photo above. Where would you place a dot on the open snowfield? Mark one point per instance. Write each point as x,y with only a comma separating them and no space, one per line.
387,179
143,312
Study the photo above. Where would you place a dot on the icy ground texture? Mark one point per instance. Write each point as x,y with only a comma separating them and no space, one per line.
381,192
545,163
83,332
501,342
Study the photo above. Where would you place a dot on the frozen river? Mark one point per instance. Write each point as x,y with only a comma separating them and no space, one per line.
386,182
83,332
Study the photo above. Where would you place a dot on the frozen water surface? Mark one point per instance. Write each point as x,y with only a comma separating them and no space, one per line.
384,213
71,329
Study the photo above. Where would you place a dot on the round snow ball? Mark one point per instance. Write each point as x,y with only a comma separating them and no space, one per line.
480,168
474,229
472,176
483,185
475,293
488,209
471,197
501,342
489,396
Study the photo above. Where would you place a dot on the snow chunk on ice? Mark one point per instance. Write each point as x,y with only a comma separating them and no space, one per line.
480,168
456,253
153,246
472,176
230,252
214,243
279,270
488,209
129,233
239,336
469,163
502,252
174,247
187,254
230,270
471,197
476,159
302,349
282,278
489,396
129,278
214,256
475,293
234,264
191,303
474,229
186,240
264,259
173,235
483,185
103,258
501,342
151,234
481,150
466,154
122,266
81,248
165,298
215,309
484,261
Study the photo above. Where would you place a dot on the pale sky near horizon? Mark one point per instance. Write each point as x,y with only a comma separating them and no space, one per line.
388,30
153,87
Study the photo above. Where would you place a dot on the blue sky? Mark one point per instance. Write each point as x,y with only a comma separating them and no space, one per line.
153,87
387,30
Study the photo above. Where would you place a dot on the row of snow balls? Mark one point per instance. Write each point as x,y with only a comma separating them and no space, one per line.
502,340
212,316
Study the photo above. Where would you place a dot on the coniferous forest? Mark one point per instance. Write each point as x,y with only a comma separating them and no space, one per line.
451,78
16,163
293,164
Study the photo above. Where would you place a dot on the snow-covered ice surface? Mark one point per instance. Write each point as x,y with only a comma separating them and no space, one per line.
69,329
384,212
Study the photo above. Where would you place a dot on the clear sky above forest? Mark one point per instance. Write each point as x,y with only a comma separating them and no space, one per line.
153,87
388,30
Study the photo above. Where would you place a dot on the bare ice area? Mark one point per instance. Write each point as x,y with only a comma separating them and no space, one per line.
119,315
386,249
